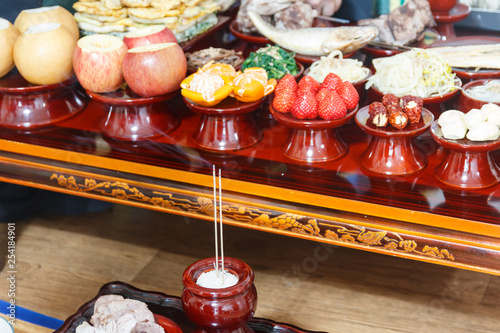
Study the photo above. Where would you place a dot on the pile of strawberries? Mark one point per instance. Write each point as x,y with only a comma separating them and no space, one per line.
308,99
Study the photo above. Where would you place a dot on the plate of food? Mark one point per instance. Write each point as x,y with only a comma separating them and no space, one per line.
275,60
471,57
473,130
165,309
469,138
407,26
188,23
417,72
197,59
283,15
225,98
348,69
477,93
310,43
394,124
385,123
259,40
313,111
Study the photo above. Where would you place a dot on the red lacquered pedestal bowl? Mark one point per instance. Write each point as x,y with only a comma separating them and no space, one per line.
27,106
130,117
467,164
227,126
313,140
466,102
442,6
220,310
392,151
446,13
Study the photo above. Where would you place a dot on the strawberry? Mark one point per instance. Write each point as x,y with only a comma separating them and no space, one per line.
287,81
305,106
307,83
332,107
322,93
284,94
283,100
332,82
349,95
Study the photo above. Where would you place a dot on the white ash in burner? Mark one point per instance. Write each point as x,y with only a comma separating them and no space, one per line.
216,280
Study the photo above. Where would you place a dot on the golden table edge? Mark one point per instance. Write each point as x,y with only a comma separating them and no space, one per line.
247,205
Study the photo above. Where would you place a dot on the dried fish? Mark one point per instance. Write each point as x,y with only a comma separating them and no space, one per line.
471,56
316,41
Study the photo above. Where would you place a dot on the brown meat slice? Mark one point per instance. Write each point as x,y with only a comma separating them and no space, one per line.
404,24
298,15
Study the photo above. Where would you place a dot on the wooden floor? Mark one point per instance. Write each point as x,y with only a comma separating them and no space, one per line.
62,261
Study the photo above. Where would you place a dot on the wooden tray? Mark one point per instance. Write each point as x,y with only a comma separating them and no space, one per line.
167,306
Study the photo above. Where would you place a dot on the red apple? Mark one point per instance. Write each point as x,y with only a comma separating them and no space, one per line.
98,61
154,69
153,34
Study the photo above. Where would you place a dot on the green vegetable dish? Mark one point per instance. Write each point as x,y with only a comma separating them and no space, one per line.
276,61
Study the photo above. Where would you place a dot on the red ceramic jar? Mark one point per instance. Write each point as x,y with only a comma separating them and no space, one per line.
220,310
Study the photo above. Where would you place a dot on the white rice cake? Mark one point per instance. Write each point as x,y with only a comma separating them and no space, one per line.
492,113
483,132
454,129
473,117
449,116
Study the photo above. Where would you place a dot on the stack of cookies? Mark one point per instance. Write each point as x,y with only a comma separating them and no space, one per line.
185,18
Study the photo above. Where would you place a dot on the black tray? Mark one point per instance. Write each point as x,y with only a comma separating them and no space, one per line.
167,306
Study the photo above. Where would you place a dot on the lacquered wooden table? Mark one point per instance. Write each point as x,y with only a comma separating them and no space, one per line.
336,202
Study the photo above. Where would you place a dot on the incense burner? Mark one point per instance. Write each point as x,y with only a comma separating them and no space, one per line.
220,310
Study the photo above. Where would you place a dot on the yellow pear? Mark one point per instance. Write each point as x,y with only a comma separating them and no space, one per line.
43,54
58,14
8,37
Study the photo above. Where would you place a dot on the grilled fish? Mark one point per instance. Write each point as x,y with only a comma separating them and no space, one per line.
316,41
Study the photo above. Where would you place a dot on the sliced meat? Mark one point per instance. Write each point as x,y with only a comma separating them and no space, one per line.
298,15
404,24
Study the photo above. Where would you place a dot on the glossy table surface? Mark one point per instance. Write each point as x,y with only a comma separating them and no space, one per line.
337,202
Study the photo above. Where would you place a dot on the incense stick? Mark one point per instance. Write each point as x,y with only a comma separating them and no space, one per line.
215,223
216,264
221,233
